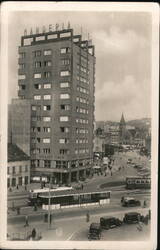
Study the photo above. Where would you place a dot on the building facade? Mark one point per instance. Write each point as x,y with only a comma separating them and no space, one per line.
57,76
18,169
19,129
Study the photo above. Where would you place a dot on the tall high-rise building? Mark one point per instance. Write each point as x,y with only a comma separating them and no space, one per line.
57,76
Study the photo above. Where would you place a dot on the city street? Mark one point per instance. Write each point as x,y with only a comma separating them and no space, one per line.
63,229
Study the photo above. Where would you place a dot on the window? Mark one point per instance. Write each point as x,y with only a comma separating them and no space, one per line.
38,150
47,63
65,50
40,38
37,86
47,97
64,84
64,141
64,129
47,86
47,74
34,108
38,139
47,129
38,118
20,169
21,77
63,151
37,75
34,118
53,36
65,107
64,96
22,55
21,65
38,129
46,150
64,118
65,62
46,118
46,107
47,52
64,73
23,87
37,97
37,64
37,53
47,163
46,140
13,170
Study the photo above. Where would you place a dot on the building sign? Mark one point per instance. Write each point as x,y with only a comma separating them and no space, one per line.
44,29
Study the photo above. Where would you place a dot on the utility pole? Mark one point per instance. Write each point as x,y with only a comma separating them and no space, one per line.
49,209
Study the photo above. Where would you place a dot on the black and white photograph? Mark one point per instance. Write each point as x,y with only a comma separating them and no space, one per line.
79,125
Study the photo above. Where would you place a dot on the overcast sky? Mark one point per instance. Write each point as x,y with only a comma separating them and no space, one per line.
123,56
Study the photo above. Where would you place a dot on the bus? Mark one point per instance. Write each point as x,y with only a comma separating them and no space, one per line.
34,195
135,182
68,199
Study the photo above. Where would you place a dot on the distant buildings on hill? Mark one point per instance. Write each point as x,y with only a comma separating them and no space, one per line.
121,133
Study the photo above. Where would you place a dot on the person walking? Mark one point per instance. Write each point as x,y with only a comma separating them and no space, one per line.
33,234
87,217
26,221
144,204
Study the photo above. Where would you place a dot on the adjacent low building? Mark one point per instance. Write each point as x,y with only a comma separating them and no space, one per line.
18,169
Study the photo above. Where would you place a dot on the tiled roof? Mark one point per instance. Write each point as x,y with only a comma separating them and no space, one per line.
16,154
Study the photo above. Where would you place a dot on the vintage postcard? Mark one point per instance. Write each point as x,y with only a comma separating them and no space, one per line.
79,125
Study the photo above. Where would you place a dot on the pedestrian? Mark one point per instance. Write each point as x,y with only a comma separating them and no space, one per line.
146,219
13,207
45,217
111,173
122,199
139,226
18,210
33,233
145,203
26,221
35,207
149,214
87,217
17,187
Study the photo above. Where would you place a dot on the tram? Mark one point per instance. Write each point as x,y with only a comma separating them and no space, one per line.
35,195
140,182
74,198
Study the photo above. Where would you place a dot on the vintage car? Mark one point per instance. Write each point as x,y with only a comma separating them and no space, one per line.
133,217
130,202
94,231
109,222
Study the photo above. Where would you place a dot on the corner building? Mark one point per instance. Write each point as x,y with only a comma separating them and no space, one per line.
57,74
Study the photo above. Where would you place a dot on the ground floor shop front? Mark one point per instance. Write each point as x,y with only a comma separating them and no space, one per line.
61,176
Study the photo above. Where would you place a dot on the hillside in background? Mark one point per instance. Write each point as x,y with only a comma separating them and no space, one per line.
140,123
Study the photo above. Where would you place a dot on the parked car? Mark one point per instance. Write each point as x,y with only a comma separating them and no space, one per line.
94,231
133,217
109,222
130,202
